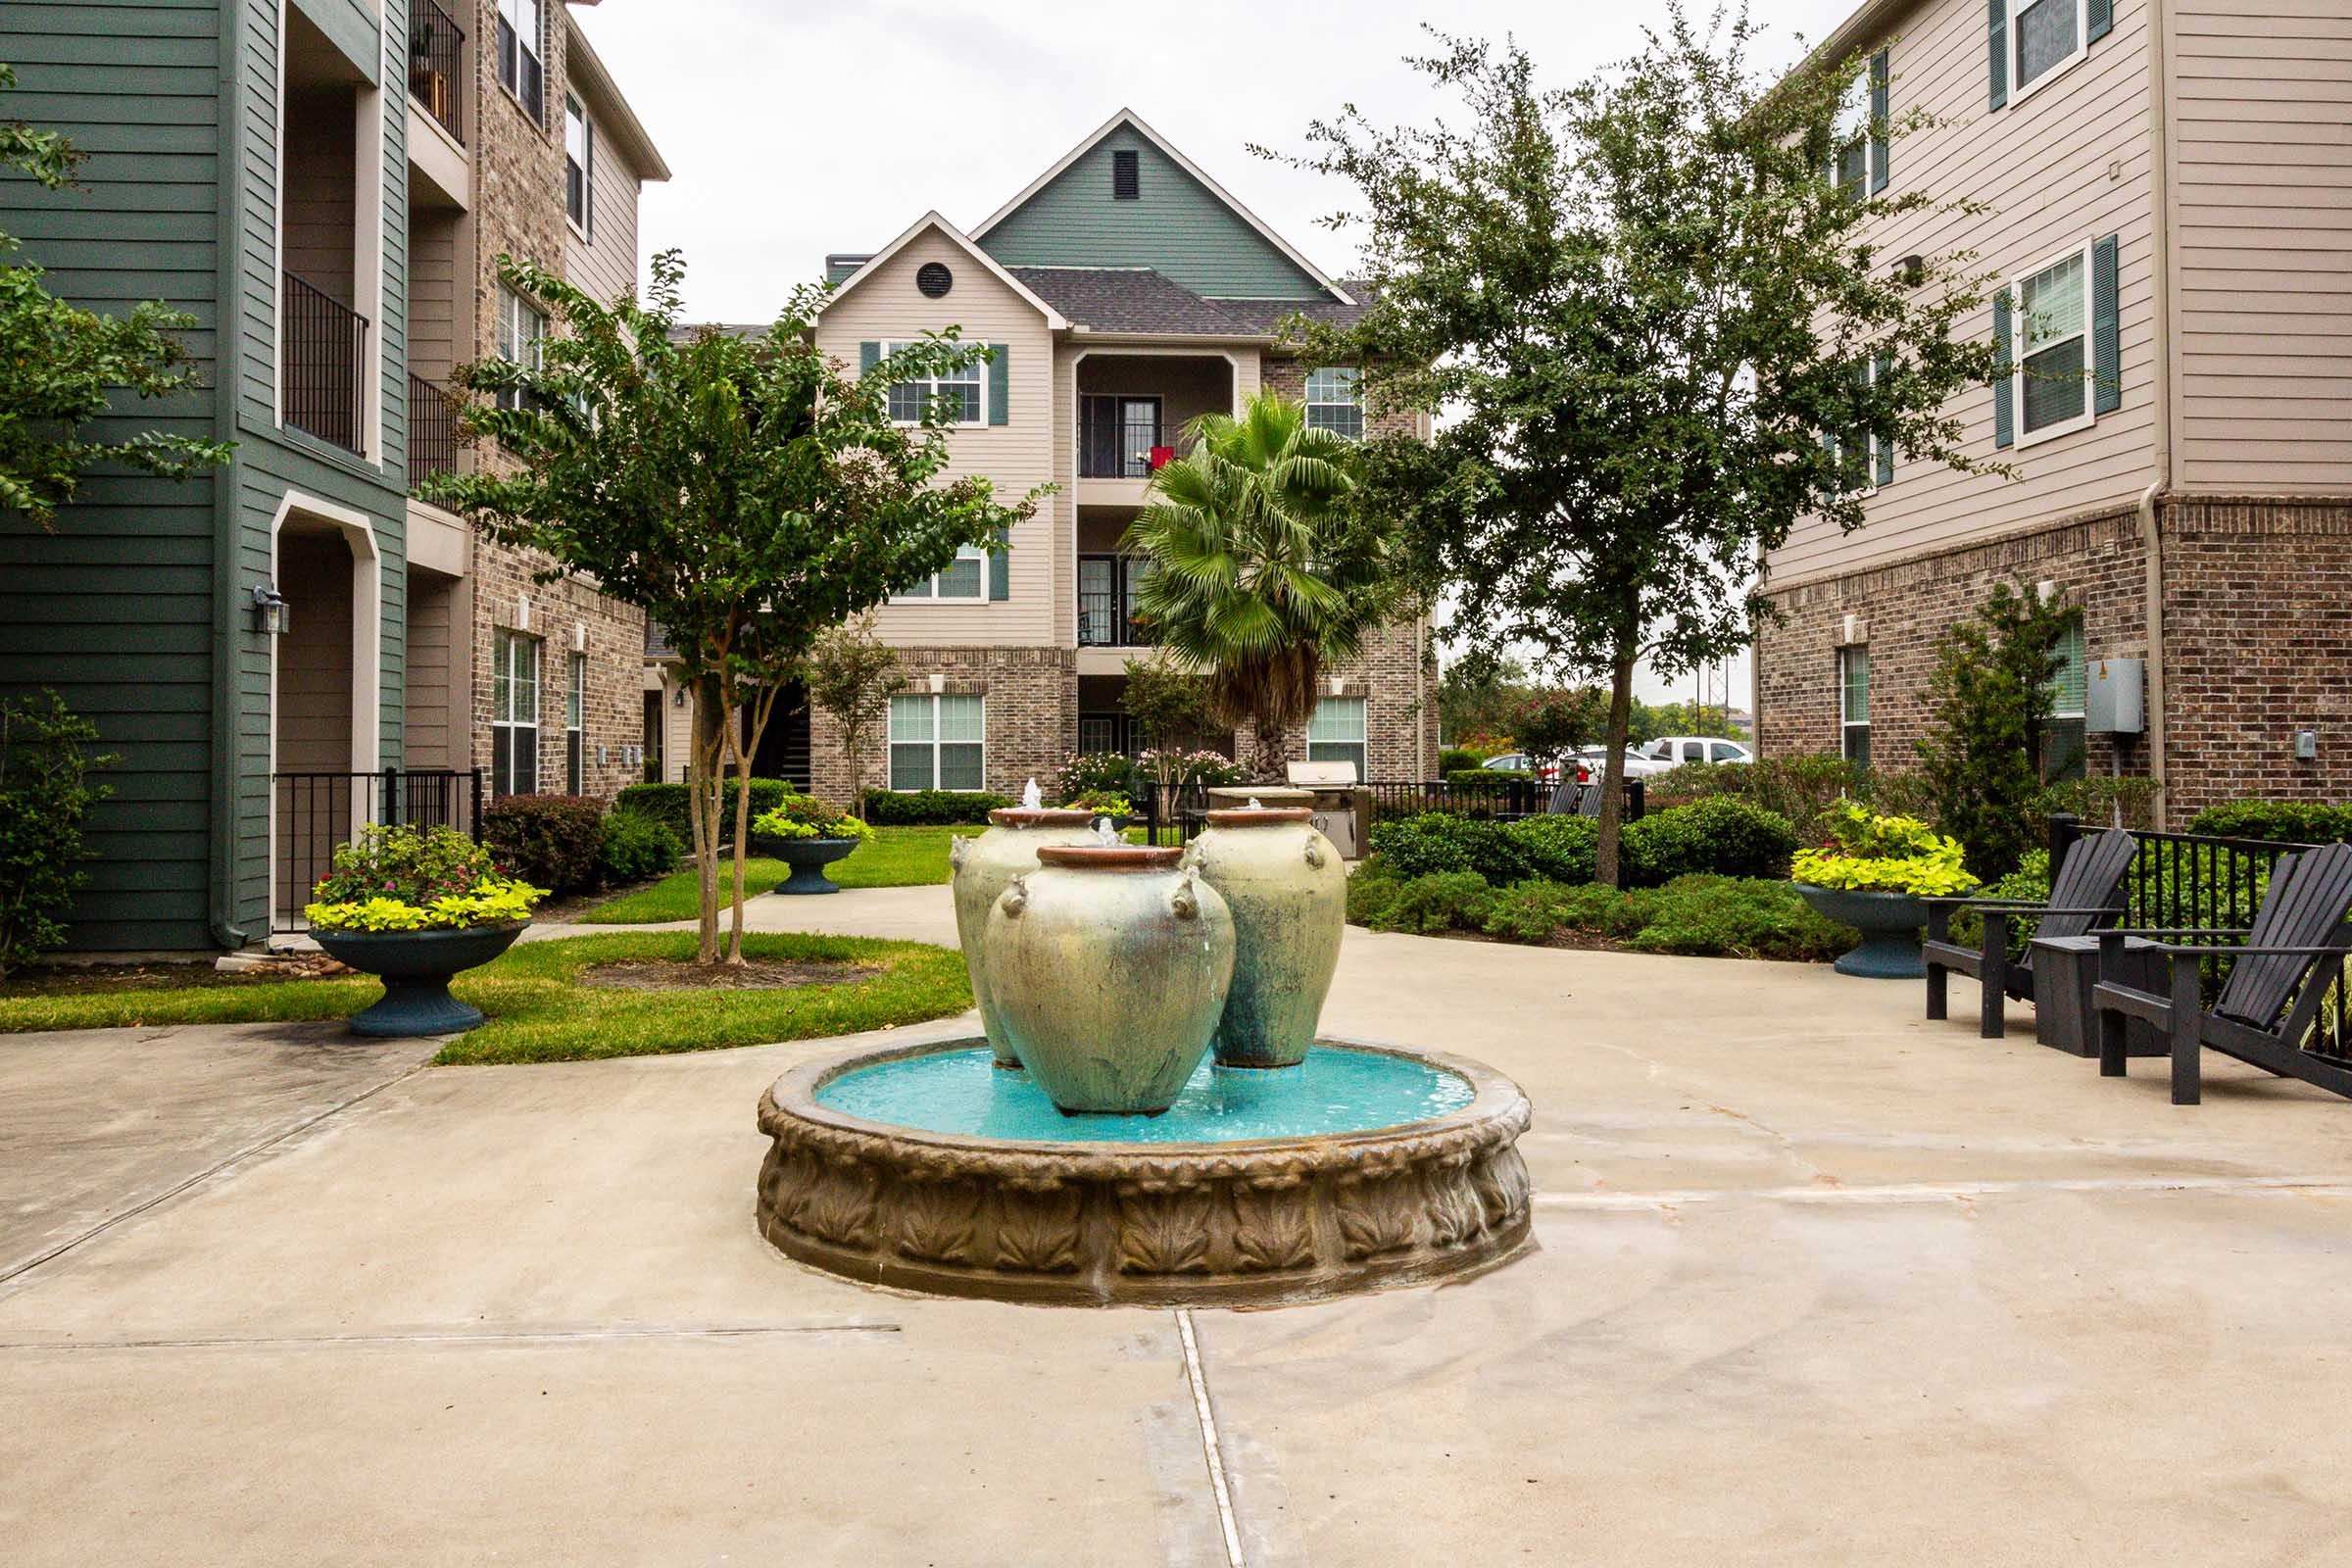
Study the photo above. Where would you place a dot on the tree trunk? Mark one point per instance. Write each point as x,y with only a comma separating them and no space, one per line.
1269,753
763,707
1613,788
703,813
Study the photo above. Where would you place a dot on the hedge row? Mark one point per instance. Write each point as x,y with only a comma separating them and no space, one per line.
930,807
666,804
2276,822
569,844
1724,837
1709,916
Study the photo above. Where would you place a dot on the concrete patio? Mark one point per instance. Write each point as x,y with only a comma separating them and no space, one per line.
1819,1283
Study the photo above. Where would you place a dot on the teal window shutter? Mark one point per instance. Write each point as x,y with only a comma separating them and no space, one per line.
1884,476
1996,44
2004,423
2098,20
1878,143
870,354
999,357
2106,338
1000,566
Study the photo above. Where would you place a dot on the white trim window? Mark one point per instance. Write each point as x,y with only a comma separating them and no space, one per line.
967,580
1339,733
937,742
576,727
513,713
1335,403
1865,459
579,169
1849,140
2044,39
1854,703
2049,357
522,337
966,390
518,68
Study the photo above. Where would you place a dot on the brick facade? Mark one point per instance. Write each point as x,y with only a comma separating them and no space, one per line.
613,713
2257,626
1030,716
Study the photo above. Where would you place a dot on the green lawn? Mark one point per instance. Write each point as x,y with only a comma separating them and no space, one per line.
541,1011
896,857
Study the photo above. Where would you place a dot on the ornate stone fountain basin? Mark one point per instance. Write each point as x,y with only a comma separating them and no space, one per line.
1194,1208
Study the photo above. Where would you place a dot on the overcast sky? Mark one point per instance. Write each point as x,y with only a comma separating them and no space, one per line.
794,129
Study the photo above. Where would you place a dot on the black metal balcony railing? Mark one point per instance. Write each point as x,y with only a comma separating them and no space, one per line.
1109,620
1116,438
437,77
325,364
432,430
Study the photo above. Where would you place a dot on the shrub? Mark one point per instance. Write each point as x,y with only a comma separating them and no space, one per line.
45,793
550,841
1453,759
2275,821
2030,880
1439,841
1563,848
636,848
666,804
1722,836
805,816
1528,912
1370,890
2099,800
418,879
1483,778
1873,853
930,807
1734,917
1798,785
1449,901
1094,772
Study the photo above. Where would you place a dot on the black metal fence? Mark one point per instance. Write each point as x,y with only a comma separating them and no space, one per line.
437,78
432,430
1499,801
324,364
313,812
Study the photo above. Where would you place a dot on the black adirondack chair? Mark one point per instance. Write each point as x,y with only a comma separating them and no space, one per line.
1590,806
2277,980
2082,901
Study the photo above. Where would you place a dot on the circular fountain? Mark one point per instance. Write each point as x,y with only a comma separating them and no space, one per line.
931,1168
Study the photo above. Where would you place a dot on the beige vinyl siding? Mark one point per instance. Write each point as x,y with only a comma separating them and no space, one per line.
2261,206
433,271
1064,505
1018,456
606,265
2070,164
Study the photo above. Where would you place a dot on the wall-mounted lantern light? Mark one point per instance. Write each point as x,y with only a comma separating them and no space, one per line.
271,614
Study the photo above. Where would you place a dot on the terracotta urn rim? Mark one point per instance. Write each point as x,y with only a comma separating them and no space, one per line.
1026,816
1258,815
1110,857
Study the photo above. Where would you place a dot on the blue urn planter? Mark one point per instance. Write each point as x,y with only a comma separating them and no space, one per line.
416,967
808,858
1889,923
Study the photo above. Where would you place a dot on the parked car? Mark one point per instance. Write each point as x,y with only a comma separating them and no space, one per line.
1672,751
1592,761
1521,762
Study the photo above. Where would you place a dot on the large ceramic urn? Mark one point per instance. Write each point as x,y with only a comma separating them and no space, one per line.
1109,966
984,867
1288,892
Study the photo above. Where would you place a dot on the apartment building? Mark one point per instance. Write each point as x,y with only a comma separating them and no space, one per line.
294,645
1122,293
2170,195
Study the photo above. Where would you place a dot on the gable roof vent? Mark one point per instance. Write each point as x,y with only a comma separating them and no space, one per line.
1126,176
934,279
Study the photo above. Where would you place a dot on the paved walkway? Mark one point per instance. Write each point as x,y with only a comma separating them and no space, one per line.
1819,1283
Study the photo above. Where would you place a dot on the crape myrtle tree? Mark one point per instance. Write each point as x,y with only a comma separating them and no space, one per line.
745,492
1659,331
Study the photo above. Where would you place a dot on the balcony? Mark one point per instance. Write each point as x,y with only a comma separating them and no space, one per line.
1132,412
324,367
1108,589
437,75
432,431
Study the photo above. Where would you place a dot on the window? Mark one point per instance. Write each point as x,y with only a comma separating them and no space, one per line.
1332,403
1854,703
521,332
1865,459
519,53
513,713
653,727
575,727
1725,751
2052,354
1850,141
1336,734
967,578
2045,36
964,391
579,168
2062,739
1126,176
935,742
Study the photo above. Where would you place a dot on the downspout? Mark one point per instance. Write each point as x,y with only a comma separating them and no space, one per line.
227,361
2151,521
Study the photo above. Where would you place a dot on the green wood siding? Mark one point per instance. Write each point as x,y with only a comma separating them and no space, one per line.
1176,226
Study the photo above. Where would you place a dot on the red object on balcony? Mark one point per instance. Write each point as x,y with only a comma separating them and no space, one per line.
1161,457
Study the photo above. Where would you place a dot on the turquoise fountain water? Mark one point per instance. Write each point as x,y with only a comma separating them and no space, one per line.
1335,1090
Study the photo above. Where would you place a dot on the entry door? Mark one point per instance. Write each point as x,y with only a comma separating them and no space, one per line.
1097,600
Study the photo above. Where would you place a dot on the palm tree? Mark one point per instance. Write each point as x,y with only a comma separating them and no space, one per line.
1263,572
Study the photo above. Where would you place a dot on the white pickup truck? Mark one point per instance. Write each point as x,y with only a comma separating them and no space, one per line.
1672,750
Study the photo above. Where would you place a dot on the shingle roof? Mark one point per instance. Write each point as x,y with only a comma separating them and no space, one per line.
1265,315
1129,299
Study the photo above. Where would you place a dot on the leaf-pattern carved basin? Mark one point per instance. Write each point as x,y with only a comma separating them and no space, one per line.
925,1169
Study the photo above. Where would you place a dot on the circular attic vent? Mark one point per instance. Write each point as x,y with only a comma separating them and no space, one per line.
934,278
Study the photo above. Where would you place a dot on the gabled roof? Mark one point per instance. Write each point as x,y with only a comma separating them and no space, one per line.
1055,319
1129,299
1128,118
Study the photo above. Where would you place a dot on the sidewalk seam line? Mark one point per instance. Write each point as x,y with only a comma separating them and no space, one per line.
1203,1411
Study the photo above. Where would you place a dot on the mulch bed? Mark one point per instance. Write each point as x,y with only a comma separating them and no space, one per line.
75,979
775,974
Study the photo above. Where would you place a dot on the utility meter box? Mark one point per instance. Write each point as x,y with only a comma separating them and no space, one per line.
2111,698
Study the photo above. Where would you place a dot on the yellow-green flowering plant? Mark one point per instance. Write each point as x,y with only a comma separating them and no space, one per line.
1873,853
805,816
417,879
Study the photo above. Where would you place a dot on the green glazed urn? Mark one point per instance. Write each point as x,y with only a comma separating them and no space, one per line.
1109,966
1288,892
984,867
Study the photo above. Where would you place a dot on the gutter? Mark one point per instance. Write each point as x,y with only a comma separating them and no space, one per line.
2151,525
228,356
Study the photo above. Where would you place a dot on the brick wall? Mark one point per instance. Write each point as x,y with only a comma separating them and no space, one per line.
614,711
1031,716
